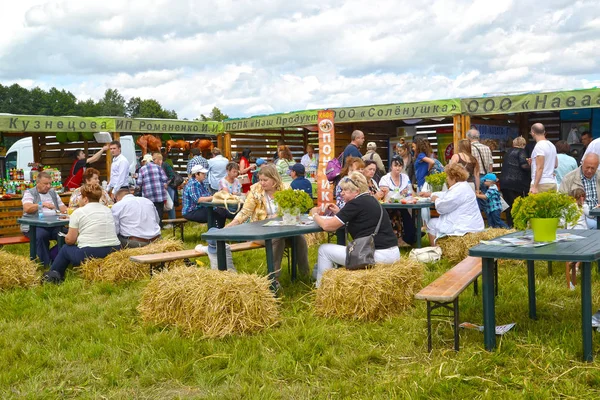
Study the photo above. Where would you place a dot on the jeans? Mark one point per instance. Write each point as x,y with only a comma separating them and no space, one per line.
42,242
200,214
494,220
330,254
171,192
160,208
71,254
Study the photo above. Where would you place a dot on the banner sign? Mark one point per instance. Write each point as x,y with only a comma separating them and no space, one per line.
500,134
551,101
325,123
445,145
386,112
42,123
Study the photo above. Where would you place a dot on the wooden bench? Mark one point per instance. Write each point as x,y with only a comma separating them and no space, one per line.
177,223
444,292
5,241
157,261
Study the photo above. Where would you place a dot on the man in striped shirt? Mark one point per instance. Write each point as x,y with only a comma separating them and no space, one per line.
481,152
153,181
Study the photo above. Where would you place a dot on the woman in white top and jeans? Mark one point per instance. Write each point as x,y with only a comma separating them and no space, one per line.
91,233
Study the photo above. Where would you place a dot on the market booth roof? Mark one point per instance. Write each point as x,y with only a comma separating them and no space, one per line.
41,124
385,112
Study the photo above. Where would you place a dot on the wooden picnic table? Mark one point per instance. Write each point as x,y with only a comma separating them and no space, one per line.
416,213
49,221
257,231
585,250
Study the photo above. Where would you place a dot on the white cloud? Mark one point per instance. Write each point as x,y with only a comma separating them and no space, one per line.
263,56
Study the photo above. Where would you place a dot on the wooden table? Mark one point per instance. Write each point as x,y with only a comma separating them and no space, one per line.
46,222
584,250
255,231
416,213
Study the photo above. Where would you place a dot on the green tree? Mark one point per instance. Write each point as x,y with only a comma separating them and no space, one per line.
60,102
112,104
133,107
88,108
215,115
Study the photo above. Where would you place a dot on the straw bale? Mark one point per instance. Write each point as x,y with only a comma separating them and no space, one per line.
117,267
17,271
315,238
209,302
371,294
456,248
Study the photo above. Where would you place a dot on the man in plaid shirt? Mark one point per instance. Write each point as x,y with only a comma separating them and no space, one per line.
481,152
494,202
196,160
153,180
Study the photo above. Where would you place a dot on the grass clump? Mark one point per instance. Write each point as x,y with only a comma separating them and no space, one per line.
209,302
117,267
17,271
370,294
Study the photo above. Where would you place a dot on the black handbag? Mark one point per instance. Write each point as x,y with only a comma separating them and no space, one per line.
360,252
176,181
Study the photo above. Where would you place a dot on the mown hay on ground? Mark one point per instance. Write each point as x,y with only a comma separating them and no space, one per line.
456,248
209,302
17,271
369,295
117,267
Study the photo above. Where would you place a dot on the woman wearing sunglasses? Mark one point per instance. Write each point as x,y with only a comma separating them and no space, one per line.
361,214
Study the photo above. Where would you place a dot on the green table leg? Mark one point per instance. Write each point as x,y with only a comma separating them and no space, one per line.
221,256
210,218
419,224
32,244
270,263
531,288
586,311
294,240
489,311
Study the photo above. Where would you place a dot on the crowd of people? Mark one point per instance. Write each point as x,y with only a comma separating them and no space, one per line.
114,217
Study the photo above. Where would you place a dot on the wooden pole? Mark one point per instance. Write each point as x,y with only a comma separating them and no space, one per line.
115,136
227,145
37,155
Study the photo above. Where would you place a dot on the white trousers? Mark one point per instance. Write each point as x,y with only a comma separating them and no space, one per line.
330,254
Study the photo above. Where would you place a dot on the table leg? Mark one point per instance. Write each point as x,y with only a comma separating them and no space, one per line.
586,310
598,222
294,240
419,224
531,288
32,242
210,218
221,255
270,263
489,312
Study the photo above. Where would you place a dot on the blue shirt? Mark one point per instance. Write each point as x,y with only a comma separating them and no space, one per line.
566,164
191,193
351,150
421,169
301,183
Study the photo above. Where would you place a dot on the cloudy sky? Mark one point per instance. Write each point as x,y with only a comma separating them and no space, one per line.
266,56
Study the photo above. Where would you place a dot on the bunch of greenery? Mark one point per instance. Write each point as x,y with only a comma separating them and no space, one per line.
436,180
545,205
290,199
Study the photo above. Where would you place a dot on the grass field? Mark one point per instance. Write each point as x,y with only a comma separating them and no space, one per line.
86,341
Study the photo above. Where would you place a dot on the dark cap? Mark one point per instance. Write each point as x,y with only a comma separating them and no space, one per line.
298,168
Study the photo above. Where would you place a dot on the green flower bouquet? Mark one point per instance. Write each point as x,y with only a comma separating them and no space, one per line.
292,202
436,181
545,205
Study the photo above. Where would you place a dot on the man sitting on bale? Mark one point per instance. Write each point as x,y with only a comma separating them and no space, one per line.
299,182
44,194
136,220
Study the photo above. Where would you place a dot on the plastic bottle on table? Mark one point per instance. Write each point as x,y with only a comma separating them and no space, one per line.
40,210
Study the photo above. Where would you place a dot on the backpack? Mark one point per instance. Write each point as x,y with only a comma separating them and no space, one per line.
437,167
334,168
176,181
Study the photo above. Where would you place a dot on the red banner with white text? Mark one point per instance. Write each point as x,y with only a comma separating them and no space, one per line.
326,127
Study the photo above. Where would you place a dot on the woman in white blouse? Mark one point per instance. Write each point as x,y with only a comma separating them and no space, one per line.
393,184
458,209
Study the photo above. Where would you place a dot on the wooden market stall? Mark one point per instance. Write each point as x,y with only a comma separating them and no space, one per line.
50,147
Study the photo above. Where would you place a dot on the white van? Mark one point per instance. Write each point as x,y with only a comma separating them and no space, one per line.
20,154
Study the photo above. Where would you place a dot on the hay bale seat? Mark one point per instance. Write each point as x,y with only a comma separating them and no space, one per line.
17,271
212,303
371,294
456,248
444,292
118,267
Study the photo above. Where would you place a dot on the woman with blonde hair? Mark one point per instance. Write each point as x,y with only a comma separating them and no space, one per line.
457,207
361,215
259,205
464,157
